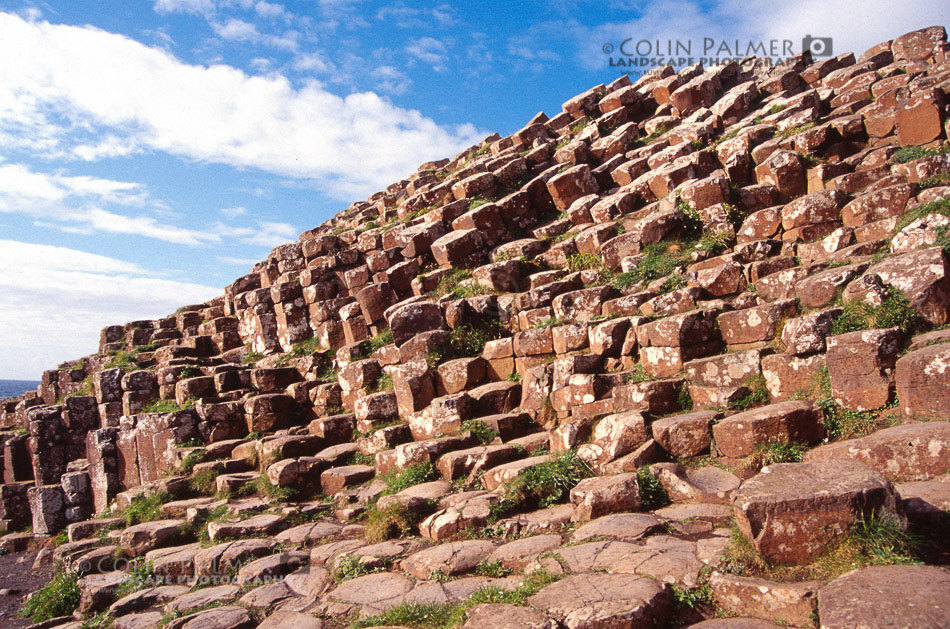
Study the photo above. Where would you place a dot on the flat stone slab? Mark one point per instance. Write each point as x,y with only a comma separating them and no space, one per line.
141,538
664,558
220,558
519,553
593,601
504,616
620,526
291,620
792,512
926,501
588,557
226,617
255,526
202,598
377,591
791,603
449,558
887,596
310,532
916,451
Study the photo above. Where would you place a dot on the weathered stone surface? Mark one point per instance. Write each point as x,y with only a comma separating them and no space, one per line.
504,616
745,328
451,558
924,278
793,604
806,334
784,422
684,435
138,539
792,512
594,497
923,382
707,484
910,452
887,596
860,367
521,552
620,526
588,601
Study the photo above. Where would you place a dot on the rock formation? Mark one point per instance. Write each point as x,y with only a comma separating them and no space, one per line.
674,353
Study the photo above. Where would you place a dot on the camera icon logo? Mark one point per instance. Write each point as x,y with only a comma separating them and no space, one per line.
817,46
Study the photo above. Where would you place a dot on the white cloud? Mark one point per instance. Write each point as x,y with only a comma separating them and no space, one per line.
404,16
269,9
56,299
391,80
236,30
429,50
248,262
232,212
199,7
73,204
195,7
313,62
265,234
60,85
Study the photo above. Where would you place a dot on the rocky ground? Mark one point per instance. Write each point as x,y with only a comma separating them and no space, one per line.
676,356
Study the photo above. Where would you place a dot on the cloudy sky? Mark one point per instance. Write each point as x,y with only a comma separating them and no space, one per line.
152,150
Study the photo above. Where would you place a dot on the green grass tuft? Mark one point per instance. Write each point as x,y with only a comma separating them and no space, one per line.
652,494
57,598
543,485
912,153
484,433
894,311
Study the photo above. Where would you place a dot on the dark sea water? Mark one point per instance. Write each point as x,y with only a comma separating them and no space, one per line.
13,388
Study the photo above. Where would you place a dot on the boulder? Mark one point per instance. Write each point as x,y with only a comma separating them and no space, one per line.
923,382
861,367
793,512
594,497
909,452
784,422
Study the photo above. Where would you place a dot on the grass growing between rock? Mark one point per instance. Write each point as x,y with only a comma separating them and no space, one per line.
412,475
140,577
449,615
776,452
456,285
659,260
840,422
895,311
911,153
481,431
351,567
57,598
878,540
388,523
146,508
758,394
543,485
204,483
466,341
652,494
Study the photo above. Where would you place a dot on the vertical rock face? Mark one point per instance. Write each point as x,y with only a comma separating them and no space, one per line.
621,314
923,382
861,367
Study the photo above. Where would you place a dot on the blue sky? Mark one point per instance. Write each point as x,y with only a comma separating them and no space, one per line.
151,151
